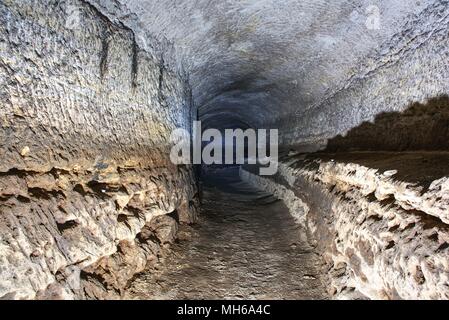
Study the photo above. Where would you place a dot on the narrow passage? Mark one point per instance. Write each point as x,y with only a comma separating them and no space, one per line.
245,246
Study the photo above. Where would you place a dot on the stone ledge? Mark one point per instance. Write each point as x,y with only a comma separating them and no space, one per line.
368,226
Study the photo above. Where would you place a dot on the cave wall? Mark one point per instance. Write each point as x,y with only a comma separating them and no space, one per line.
382,237
86,182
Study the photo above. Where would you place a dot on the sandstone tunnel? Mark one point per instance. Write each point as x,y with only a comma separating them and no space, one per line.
91,207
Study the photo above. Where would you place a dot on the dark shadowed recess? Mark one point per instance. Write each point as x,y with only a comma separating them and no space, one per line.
422,127
414,142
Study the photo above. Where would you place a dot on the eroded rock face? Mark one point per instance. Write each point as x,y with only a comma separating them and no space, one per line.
107,277
377,231
86,117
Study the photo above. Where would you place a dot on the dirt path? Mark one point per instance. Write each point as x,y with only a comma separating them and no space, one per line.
246,246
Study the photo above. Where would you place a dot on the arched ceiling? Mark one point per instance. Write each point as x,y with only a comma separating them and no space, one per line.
261,62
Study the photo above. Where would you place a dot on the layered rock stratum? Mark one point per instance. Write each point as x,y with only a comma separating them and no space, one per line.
85,171
381,228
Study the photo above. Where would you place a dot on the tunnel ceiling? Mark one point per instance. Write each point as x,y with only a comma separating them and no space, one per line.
260,62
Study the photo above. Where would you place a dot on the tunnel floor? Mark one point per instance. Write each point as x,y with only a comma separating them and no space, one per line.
245,246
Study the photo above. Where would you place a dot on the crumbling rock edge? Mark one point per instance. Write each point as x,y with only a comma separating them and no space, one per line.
381,238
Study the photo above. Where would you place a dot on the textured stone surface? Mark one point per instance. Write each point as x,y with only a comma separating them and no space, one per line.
311,68
86,117
377,231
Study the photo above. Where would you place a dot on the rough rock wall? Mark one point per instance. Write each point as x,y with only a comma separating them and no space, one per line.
422,126
407,69
382,238
85,176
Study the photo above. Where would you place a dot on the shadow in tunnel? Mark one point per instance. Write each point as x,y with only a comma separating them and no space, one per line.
414,142
221,177
418,127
